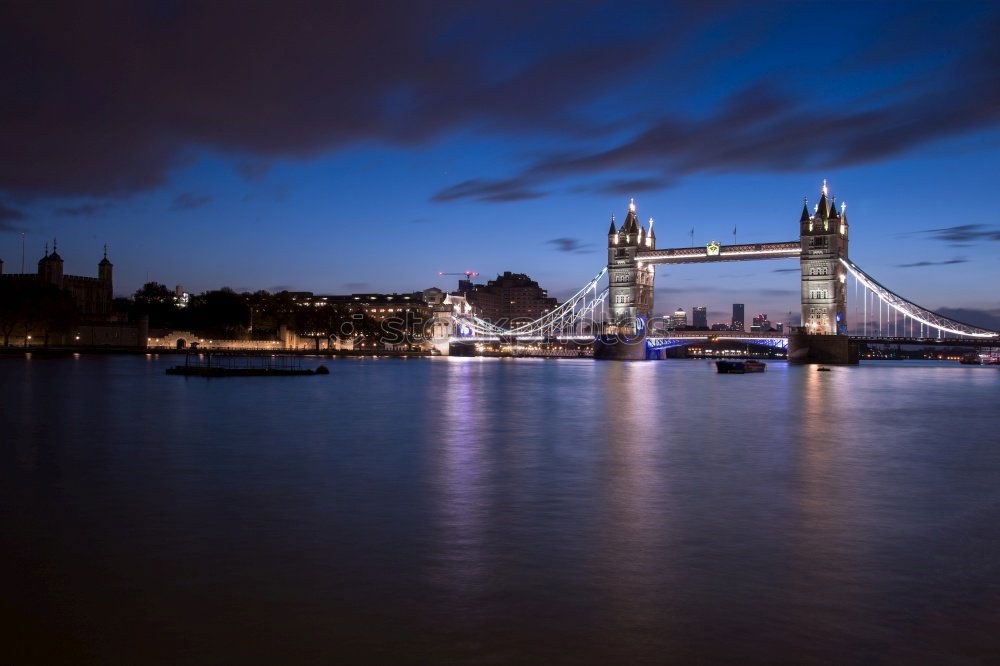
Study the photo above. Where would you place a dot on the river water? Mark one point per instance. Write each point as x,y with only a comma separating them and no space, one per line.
500,511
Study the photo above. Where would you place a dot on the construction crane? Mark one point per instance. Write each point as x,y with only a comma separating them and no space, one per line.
468,274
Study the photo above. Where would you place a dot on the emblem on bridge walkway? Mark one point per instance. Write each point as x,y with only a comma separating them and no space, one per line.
712,249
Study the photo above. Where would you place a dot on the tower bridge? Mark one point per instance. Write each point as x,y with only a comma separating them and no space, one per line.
618,318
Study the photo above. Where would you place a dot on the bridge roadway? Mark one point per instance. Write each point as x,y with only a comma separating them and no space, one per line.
930,342
714,252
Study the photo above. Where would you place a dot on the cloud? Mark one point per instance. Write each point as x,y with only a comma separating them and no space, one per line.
82,210
919,264
572,245
778,292
8,216
494,191
253,169
767,126
156,84
189,201
787,270
963,234
989,319
623,186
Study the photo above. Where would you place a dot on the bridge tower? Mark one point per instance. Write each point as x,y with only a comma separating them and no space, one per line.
824,279
630,292
823,337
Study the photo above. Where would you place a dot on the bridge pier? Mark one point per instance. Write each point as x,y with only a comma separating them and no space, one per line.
828,349
614,348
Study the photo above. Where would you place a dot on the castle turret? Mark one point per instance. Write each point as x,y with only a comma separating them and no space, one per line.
104,275
104,268
50,267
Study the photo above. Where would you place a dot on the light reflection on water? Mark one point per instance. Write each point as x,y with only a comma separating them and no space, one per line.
482,510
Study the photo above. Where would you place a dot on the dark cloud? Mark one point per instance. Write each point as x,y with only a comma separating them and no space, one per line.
106,98
8,214
253,169
572,245
623,186
189,201
989,319
494,191
766,127
920,264
786,270
82,210
8,217
778,292
963,234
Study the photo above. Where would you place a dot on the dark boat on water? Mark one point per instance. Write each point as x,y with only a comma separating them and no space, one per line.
243,365
739,367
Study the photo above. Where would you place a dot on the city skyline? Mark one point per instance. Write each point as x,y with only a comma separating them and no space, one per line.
330,194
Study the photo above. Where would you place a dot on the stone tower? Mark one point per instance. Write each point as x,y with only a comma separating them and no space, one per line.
630,293
104,275
823,235
50,267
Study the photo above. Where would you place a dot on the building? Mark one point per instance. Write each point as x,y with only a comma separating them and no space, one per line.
824,242
93,296
510,297
760,324
720,327
779,327
375,306
699,317
738,322
678,319
630,284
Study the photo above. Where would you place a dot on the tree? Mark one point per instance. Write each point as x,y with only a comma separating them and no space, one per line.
156,301
222,313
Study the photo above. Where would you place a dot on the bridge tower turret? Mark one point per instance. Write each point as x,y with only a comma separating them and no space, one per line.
823,235
630,293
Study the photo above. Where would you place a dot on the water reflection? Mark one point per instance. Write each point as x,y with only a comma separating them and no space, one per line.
461,471
475,510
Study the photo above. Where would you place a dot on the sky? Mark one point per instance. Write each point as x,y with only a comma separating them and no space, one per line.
368,146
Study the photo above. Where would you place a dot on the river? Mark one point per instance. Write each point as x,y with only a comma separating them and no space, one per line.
500,511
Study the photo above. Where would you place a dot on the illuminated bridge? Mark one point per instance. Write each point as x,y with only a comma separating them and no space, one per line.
617,317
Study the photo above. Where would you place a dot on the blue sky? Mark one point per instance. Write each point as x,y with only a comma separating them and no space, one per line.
337,150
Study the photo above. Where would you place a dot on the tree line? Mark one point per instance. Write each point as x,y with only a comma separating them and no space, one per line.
259,315
44,311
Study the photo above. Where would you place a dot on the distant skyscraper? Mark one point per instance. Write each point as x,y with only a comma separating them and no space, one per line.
738,322
779,327
678,319
699,316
